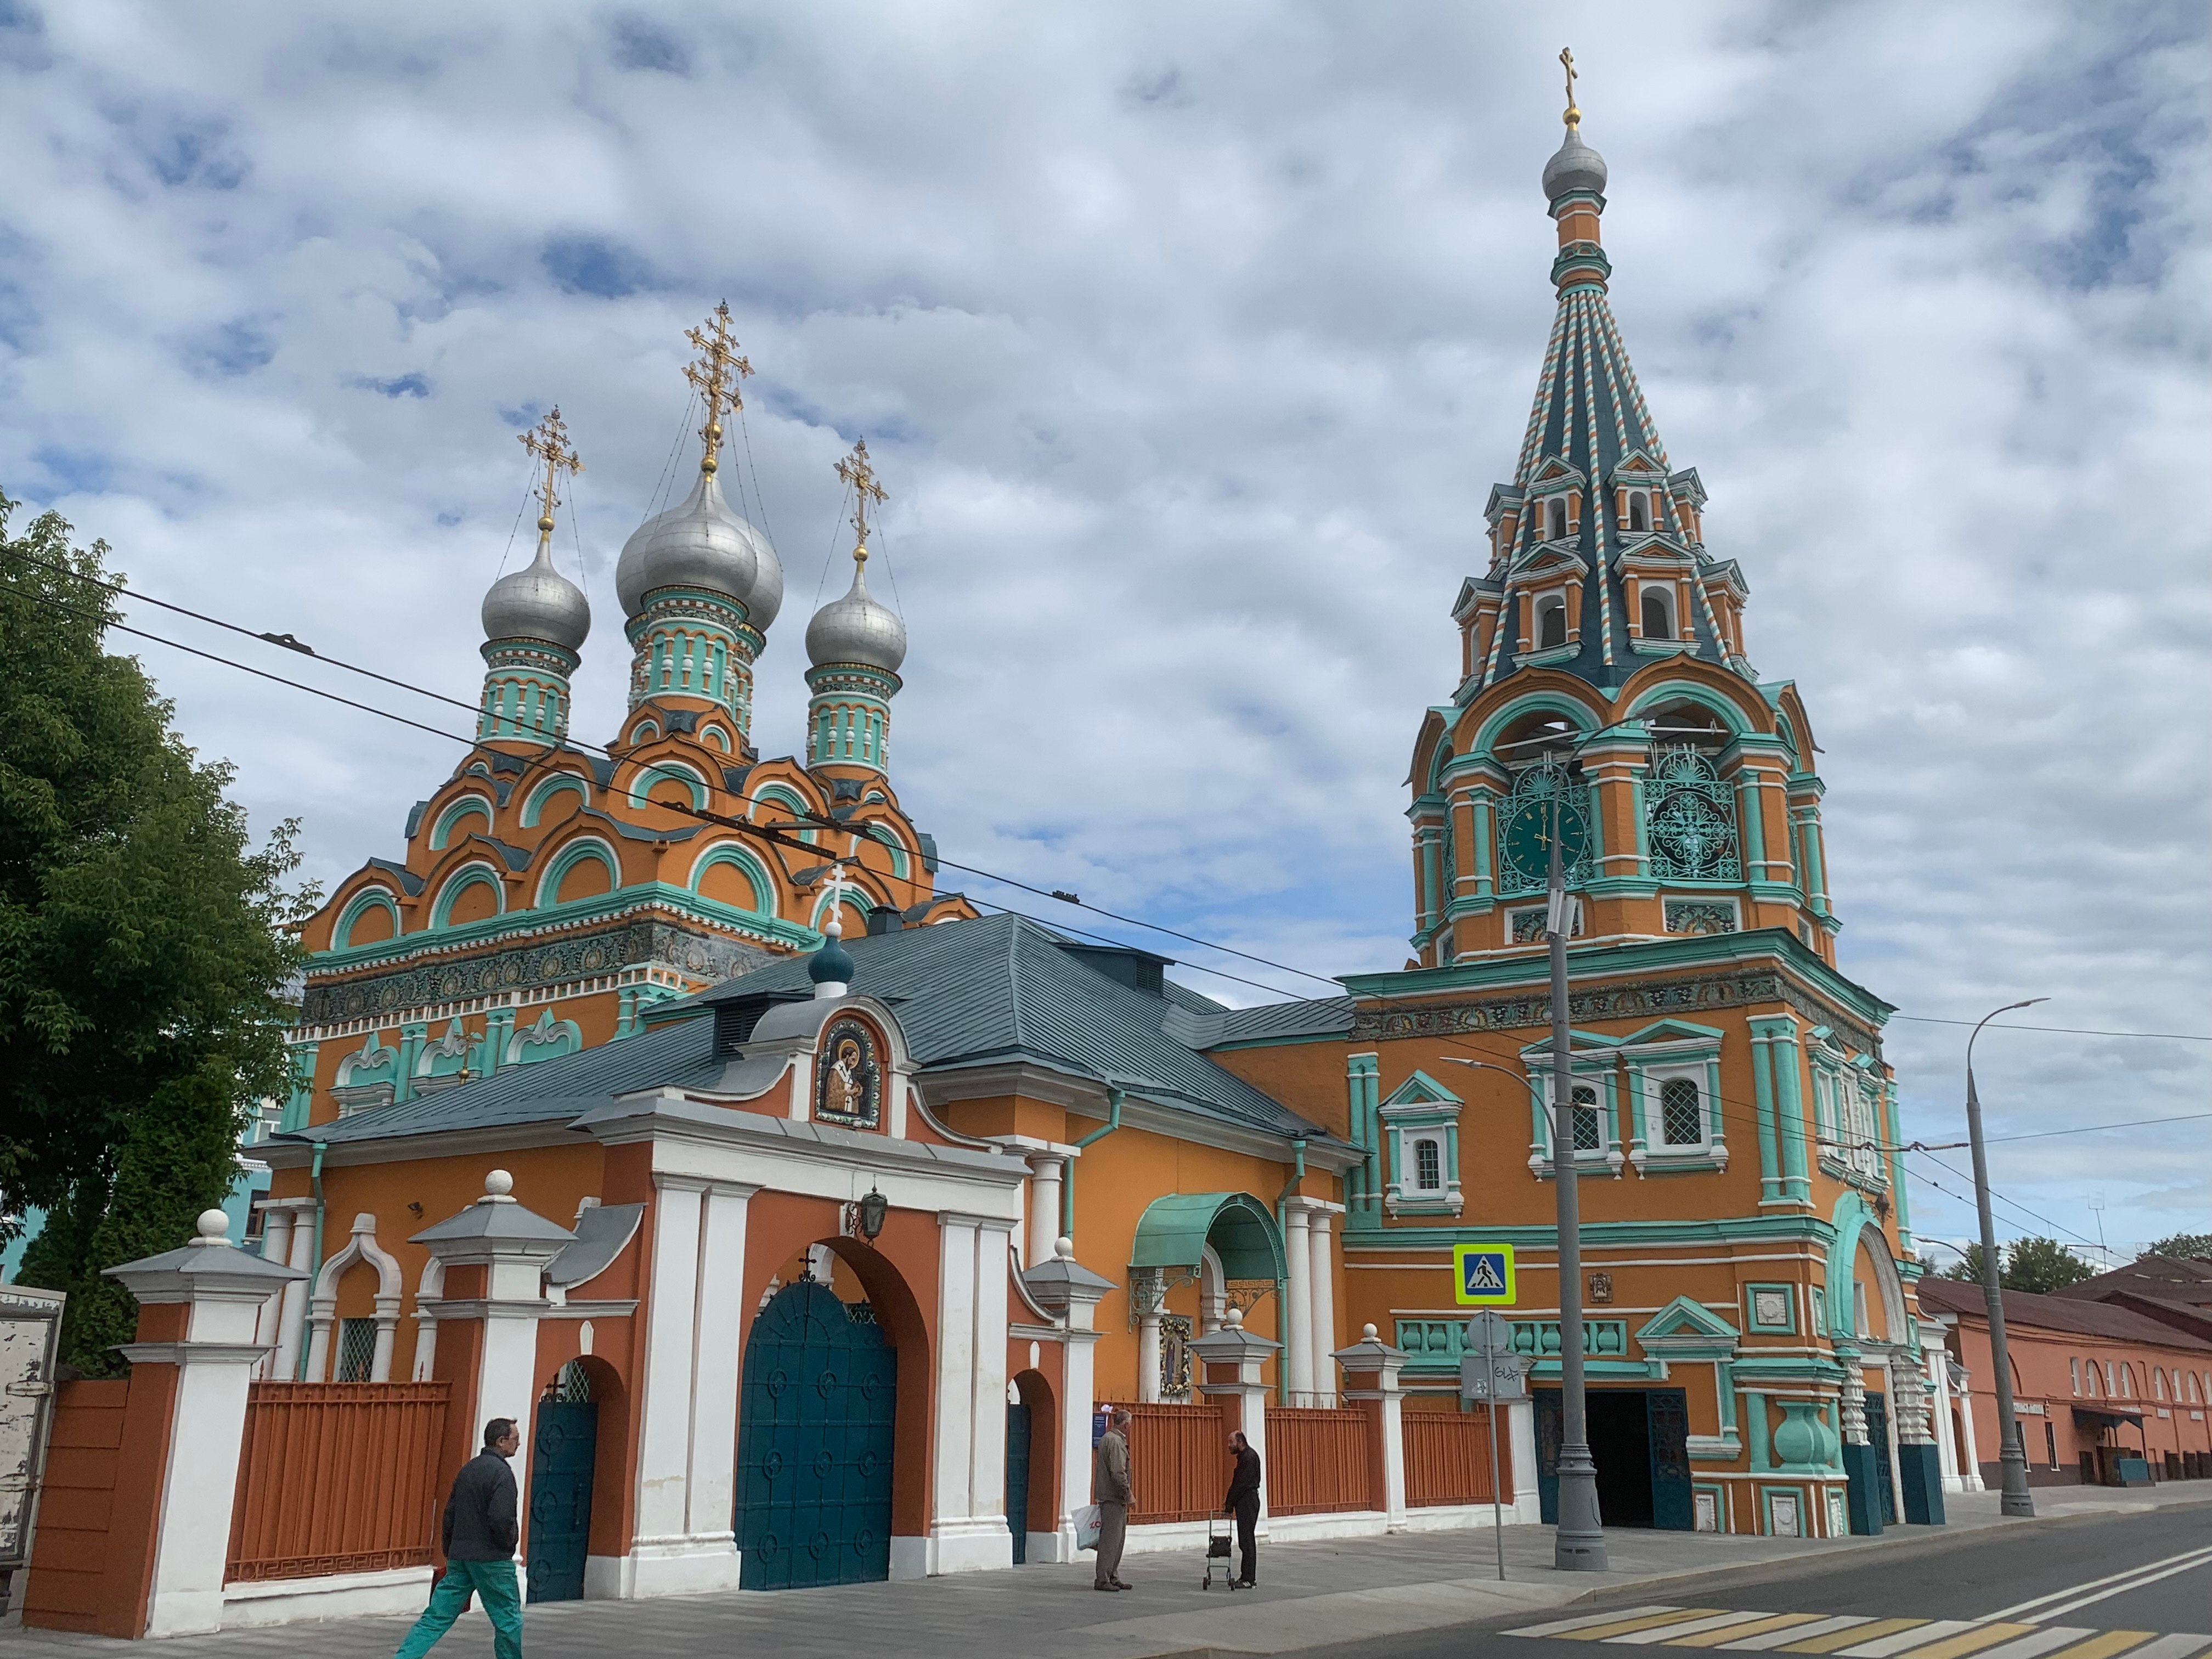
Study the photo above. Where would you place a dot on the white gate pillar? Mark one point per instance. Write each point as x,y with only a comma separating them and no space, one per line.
1062,1286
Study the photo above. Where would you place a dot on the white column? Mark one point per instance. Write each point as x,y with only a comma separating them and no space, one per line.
1297,1308
1939,1389
292,1322
1970,1477
664,1454
1145,1290
1324,1310
1047,1169
276,1246
1520,1431
1078,1402
711,1484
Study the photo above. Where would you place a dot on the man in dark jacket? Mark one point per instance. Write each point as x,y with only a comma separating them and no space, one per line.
1244,1503
479,1540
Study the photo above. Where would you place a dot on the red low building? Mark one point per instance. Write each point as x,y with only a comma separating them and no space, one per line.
2106,1395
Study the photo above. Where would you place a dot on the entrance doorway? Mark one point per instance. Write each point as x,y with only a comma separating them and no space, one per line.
1877,1422
1018,1479
1640,1440
563,1448
816,1424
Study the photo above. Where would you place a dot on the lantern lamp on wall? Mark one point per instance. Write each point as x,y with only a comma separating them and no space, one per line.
873,1208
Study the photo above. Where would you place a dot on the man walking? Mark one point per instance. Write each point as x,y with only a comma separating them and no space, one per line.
1109,1485
1244,1503
479,1540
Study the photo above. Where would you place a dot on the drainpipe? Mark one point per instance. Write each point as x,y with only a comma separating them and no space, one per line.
1283,1286
1114,1099
315,1264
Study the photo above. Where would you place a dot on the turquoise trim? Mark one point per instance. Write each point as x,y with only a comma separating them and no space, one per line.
576,853
1850,1215
684,903
301,1058
369,898
1587,719
1795,1228
744,859
1751,1319
561,783
659,771
468,876
1685,951
467,806
1696,691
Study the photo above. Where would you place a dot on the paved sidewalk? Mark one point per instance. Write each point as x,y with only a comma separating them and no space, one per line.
1310,1596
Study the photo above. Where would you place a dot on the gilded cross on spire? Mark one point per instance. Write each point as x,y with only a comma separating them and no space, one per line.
1573,118
856,471
549,441
716,376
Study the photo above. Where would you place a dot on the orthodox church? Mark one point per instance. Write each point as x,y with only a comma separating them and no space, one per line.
655,1096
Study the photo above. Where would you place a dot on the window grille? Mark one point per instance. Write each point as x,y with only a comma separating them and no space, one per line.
1689,819
571,1385
1589,1128
1681,1112
357,1349
1428,1166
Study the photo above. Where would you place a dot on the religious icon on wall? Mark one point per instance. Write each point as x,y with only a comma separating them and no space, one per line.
1600,1287
848,1091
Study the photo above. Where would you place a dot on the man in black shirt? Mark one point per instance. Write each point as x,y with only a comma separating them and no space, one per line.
1244,1503
480,1534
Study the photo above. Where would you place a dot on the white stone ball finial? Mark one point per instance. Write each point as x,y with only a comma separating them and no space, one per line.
499,1187
1367,1333
1064,1249
1234,1319
213,1228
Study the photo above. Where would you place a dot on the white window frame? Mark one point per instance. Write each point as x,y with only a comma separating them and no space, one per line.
1414,1143
1539,606
1655,1079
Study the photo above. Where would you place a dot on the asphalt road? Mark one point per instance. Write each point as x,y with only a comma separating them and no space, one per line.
2145,1573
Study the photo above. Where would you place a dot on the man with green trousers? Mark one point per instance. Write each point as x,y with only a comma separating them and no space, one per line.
479,1542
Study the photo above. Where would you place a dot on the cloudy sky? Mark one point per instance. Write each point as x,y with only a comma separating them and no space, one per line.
1189,340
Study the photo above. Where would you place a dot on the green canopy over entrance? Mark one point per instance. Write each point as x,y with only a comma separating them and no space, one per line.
1174,1231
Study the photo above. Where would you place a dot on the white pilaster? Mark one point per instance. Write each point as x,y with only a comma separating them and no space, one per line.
292,1320
1297,1308
967,1523
1324,1308
711,1487
1939,1389
1059,1285
1970,1476
1520,1431
1145,1290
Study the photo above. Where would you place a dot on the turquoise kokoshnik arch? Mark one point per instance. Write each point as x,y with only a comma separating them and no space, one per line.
468,876
465,807
369,898
742,859
561,783
576,853
662,771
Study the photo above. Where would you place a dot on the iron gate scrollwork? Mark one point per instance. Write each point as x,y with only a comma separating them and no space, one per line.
1689,819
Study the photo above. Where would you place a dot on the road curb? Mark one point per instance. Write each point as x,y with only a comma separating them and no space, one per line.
1926,1538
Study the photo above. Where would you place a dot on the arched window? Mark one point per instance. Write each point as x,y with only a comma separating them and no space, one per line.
1589,1126
1558,517
2074,1373
1551,623
1658,623
2089,1366
1639,511
2157,1383
2127,1382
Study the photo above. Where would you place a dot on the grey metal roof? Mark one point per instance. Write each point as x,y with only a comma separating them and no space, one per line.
988,991
1274,1021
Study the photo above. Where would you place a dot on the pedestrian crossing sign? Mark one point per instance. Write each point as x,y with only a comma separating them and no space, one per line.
1482,1275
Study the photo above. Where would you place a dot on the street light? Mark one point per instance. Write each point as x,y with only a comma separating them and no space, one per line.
2012,1451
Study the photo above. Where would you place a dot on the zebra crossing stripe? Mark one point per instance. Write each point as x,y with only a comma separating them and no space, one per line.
2046,1638
1865,1629
1972,1639
1695,1627
1672,1617
2181,1646
1775,1638
1919,1630
1731,1634
1569,1626
2105,1645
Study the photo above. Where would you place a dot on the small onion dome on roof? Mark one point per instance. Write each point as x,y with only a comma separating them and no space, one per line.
1576,167
856,629
830,965
701,544
538,603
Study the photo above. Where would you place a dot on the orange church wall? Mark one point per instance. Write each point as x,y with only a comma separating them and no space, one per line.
1306,1076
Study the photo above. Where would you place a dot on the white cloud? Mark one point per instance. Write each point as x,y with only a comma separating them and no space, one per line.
1190,342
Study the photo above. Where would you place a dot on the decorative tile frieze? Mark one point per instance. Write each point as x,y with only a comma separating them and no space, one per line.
1635,999
640,942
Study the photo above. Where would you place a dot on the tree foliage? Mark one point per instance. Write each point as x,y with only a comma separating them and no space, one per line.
2039,1265
2185,1246
143,954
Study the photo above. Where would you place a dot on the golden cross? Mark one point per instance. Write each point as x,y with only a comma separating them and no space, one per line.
549,441
856,471
1573,117
716,376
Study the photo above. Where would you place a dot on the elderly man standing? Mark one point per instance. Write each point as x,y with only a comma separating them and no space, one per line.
1109,1485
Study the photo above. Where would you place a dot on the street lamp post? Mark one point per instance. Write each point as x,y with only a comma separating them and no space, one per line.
1578,1542
2012,1451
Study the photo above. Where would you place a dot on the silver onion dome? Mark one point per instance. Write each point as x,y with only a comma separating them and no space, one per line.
538,603
856,629
1576,167
702,544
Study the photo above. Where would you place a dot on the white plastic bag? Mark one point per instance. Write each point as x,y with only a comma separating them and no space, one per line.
1086,1527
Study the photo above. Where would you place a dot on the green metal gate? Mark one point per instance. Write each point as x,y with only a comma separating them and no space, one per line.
561,1448
814,1426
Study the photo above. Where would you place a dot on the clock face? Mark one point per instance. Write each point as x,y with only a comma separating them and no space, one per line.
1528,836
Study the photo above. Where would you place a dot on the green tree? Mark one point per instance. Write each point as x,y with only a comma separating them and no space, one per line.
2037,1265
143,949
2186,1246
2043,1265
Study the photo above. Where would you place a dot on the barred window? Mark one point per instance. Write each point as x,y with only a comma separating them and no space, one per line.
1681,1112
357,1349
1428,1166
1589,1128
